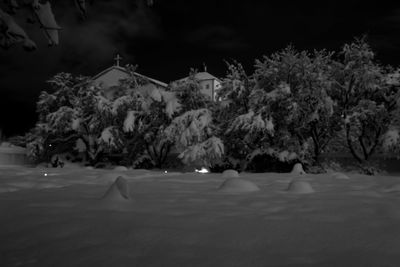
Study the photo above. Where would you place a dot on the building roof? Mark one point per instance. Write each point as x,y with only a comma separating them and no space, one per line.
202,76
119,68
205,76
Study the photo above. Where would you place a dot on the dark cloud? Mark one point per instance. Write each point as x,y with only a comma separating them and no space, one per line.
110,23
216,37
382,28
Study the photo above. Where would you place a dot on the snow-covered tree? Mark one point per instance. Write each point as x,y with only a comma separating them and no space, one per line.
193,132
130,123
234,100
35,143
367,95
75,110
315,116
140,111
144,122
288,109
193,137
189,94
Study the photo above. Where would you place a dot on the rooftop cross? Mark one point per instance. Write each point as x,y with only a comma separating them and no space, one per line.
117,59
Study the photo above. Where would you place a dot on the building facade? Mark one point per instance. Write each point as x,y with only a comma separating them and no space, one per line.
110,78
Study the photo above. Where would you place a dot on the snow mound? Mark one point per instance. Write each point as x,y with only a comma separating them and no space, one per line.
392,189
230,174
300,187
120,168
237,185
8,189
340,176
89,168
42,165
118,191
71,165
298,169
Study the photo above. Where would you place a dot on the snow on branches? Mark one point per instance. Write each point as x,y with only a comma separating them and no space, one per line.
109,136
39,11
172,105
61,120
129,122
391,140
191,127
367,95
283,155
45,17
252,123
236,83
208,152
11,33
191,133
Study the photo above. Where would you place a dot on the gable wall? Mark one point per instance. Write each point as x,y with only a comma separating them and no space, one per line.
209,87
111,78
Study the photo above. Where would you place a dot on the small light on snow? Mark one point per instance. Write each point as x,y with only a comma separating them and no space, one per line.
45,174
165,172
203,170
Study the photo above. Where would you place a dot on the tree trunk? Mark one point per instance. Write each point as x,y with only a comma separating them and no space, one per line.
350,145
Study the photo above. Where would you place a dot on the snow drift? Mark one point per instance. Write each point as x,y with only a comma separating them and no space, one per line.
238,185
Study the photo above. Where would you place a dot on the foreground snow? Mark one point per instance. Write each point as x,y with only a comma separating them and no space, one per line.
57,217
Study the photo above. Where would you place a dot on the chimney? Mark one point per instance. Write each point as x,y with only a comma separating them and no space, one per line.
204,67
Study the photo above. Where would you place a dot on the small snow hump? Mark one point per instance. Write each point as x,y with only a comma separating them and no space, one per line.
340,176
120,168
230,174
237,185
118,191
300,187
298,169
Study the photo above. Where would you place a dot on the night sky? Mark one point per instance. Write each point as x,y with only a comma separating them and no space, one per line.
171,37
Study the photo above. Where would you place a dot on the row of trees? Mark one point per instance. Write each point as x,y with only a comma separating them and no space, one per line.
140,123
297,105
293,107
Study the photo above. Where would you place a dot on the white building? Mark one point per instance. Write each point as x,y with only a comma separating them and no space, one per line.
208,82
110,78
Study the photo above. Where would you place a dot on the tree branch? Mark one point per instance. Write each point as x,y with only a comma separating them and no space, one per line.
361,141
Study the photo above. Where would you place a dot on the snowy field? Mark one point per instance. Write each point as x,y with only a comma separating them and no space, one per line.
59,217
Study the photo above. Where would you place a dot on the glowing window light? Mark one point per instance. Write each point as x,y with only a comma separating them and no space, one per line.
45,174
202,170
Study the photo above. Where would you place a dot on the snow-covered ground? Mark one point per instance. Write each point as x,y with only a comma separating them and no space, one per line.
59,217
